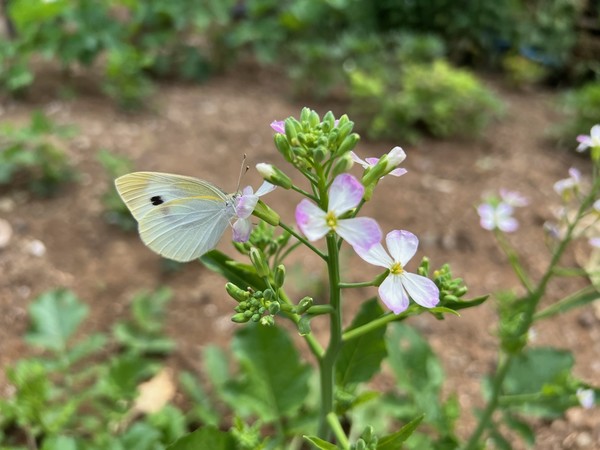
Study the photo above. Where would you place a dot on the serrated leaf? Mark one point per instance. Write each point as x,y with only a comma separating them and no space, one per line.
395,440
55,316
320,443
232,271
274,382
360,358
205,438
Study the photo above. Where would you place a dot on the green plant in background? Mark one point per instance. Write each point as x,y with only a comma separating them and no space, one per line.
116,212
435,98
34,154
78,395
523,72
582,109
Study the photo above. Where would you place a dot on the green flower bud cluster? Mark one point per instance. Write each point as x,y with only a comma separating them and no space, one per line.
451,289
255,306
311,142
368,440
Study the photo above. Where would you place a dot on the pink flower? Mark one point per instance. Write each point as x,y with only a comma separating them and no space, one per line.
345,194
498,216
399,284
564,187
593,140
278,126
395,157
244,206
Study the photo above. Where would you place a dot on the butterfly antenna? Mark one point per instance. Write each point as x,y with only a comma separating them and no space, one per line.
243,170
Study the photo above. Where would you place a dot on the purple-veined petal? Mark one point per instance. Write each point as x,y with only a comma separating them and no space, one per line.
362,232
421,289
376,255
265,188
402,245
372,161
245,205
311,220
345,193
278,126
392,294
241,230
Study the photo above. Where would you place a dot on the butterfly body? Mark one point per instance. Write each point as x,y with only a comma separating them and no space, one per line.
179,217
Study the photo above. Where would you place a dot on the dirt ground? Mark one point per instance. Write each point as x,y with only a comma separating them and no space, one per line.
203,131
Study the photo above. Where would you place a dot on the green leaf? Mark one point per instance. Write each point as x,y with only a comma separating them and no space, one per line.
240,275
216,367
55,316
202,408
59,443
578,299
464,304
320,443
521,427
394,441
360,358
274,383
205,438
417,370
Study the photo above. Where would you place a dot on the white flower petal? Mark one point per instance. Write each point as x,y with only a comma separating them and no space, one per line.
311,220
486,216
392,294
358,160
265,188
421,289
376,255
362,232
396,156
595,132
402,245
345,193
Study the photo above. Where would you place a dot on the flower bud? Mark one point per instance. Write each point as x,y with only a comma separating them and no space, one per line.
320,153
259,262
274,307
283,146
256,317
304,304
348,143
268,294
344,130
314,119
267,321
239,295
273,175
262,211
279,276
342,165
239,318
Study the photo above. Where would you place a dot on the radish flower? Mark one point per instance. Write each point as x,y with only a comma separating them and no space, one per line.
492,217
586,397
513,198
568,185
244,206
345,194
395,157
399,284
591,141
278,126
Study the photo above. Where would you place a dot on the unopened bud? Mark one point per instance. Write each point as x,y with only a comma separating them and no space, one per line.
267,321
239,295
279,276
274,307
273,175
239,318
320,153
283,146
259,262
342,165
304,304
262,211
304,326
348,143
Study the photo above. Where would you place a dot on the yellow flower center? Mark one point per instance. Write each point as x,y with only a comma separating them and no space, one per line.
331,220
396,269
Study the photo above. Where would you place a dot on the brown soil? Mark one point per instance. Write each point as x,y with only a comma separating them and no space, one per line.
203,131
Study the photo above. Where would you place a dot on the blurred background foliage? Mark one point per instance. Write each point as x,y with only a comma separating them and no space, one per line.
372,54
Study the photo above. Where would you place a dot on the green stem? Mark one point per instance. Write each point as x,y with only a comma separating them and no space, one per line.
374,324
357,285
513,258
327,364
486,416
313,344
303,192
304,241
338,431
319,309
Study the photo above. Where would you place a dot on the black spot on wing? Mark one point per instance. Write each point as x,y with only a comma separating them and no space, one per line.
156,200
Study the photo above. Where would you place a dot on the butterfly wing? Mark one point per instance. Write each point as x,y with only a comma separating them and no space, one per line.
179,217
144,191
185,229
